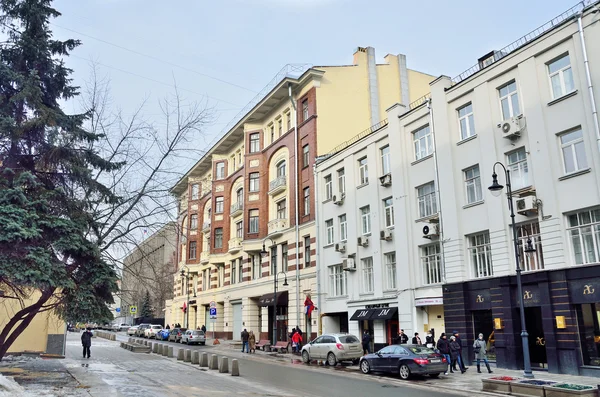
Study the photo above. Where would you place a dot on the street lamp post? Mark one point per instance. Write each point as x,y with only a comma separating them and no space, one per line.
264,252
186,277
496,190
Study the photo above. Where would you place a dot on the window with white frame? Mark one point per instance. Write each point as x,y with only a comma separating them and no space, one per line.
219,205
480,254
256,267
205,279
305,110
388,212
280,126
573,151
363,171
193,249
473,185
240,270
240,195
365,216
338,281
367,275
253,221
561,76
431,264
306,201
193,221
254,182
519,169
341,175
288,119
305,156
423,142
233,276
239,229
390,270
281,168
284,257
273,260
426,197
509,100
584,231
329,231
221,276
282,209
307,251
386,167
533,260
343,227
219,237
254,143
466,121
328,187
195,191
220,170
272,130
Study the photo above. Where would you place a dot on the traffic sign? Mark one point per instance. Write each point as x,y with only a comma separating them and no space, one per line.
118,310
133,309
213,313
213,304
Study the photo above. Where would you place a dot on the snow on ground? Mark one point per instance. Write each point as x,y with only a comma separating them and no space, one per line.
10,388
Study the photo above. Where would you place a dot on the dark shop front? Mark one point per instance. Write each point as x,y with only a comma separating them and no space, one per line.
562,316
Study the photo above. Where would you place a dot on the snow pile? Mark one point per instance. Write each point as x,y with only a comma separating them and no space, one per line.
10,388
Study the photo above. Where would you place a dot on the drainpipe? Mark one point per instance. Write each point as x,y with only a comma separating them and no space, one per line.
317,234
588,78
296,204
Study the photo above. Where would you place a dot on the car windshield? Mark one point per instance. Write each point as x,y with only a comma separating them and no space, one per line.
198,333
421,350
348,339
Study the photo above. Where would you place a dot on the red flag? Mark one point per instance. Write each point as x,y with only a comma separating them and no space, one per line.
309,306
184,307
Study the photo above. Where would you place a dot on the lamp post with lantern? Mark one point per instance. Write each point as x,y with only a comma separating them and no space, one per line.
264,253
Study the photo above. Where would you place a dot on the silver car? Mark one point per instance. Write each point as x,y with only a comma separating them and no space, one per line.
334,348
192,336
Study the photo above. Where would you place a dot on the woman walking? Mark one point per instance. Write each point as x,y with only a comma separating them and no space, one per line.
454,352
479,347
252,342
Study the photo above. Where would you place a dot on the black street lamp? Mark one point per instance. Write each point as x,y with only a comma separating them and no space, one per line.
496,190
186,277
263,253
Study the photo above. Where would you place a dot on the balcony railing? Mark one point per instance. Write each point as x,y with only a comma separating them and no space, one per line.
277,226
204,257
278,184
206,227
236,208
235,244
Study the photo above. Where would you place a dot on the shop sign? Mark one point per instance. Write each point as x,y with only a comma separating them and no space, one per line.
377,306
531,296
585,291
429,301
480,299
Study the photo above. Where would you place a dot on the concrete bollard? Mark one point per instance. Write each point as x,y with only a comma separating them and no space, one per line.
204,359
224,365
129,340
113,337
235,367
195,357
159,349
145,343
170,352
180,355
165,350
150,346
214,362
154,347
187,355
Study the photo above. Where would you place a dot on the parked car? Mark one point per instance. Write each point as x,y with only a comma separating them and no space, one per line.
334,348
405,360
151,331
141,329
131,330
192,336
120,327
163,334
176,334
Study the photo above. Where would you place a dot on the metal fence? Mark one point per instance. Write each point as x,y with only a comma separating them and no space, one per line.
419,101
358,137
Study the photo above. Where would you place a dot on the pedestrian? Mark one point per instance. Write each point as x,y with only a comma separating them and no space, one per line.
296,341
245,336
252,342
203,328
455,354
168,326
416,340
402,338
86,341
461,363
299,331
429,341
479,347
443,345
366,342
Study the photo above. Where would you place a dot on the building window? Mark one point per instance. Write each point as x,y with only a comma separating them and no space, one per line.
466,121
584,230
519,170
561,76
239,229
343,227
233,163
281,168
233,271
305,156
386,166
240,270
473,185
338,282
573,151
240,195
220,170
534,260
195,191
307,251
365,216
588,316
272,129
240,158
254,182
305,110
284,257
509,100
221,276
288,118
254,143
256,267
390,270
363,171
219,237
341,175
193,221
427,199
432,264
481,255
253,221
219,205
306,201
328,187
329,231
280,126
281,209
367,275
423,143
193,248
388,211
273,260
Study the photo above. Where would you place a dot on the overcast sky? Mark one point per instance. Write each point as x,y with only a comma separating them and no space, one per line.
228,50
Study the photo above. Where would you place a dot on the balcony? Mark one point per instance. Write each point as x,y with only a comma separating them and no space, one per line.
204,257
277,227
236,209
235,245
206,227
278,185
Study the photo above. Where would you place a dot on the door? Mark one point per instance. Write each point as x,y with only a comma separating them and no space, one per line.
384,362
237,321
314,348
392,332
537,342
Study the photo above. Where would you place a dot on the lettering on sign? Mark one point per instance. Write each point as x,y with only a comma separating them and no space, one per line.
527,295
384,312
588,289
479,299
363,313
376,306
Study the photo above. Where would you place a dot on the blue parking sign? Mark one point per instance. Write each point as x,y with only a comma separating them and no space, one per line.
213,312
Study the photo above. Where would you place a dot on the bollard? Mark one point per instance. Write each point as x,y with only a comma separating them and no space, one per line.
129,340
195,357
165,350
159,349
170,353
214,362
150,346
113,337
155,347
204,359
145,343
235,368
187,355
224,365
180,355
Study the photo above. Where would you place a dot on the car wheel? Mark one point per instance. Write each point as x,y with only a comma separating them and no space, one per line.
365,367
404,372
305,357
331,360
434,375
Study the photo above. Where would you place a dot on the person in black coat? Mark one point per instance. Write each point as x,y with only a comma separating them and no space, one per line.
461,363
443,345
402,337
366,343
416,340
86,341
454,353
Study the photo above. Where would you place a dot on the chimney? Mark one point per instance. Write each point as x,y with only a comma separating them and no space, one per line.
360,56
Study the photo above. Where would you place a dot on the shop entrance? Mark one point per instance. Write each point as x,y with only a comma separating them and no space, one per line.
483,322
537,342
393,329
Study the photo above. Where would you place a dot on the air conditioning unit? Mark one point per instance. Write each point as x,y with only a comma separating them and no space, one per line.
363,241
385,235
512,127
340,247
349,265
339,200
526,205
431,231
386,180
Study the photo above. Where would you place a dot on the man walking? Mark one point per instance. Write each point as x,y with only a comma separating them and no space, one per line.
402,338
461,363
86,341
245,336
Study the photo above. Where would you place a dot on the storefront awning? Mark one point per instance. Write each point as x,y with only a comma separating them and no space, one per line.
362,314
384,313
267,299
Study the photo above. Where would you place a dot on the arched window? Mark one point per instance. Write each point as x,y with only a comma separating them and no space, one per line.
281,168
240,195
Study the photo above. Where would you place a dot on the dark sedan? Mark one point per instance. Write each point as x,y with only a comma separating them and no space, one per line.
405,360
